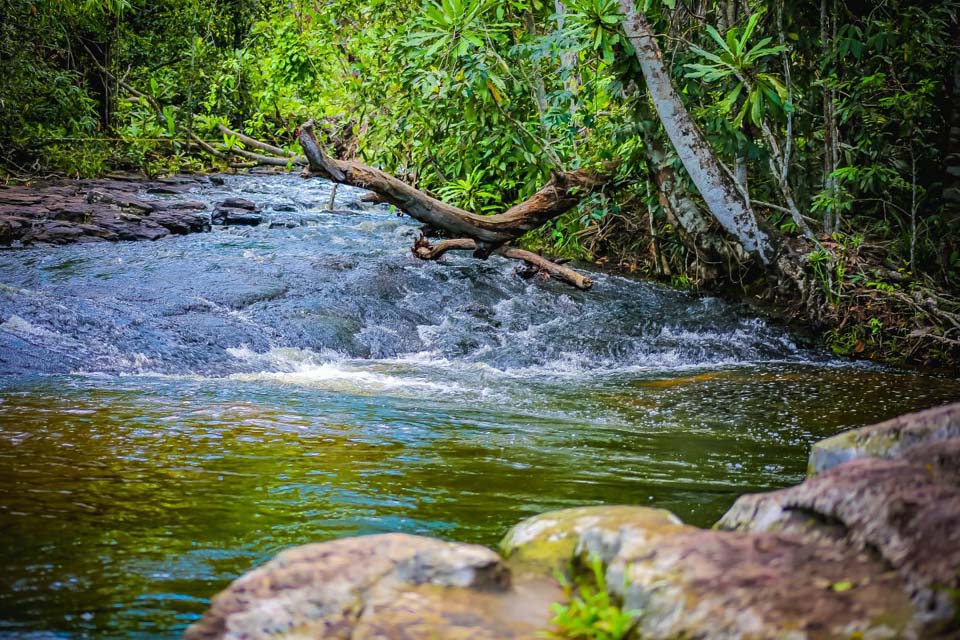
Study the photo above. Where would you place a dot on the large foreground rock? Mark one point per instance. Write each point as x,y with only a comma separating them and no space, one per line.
684,582
896,497
380,586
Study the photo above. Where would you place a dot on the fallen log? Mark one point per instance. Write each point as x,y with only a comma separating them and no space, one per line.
562,193
481,234
253,143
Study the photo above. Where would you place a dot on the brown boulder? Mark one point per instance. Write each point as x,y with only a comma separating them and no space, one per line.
893,507
380,586
714,584
889,439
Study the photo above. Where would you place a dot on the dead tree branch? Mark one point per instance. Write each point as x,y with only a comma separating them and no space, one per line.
542,266
564,191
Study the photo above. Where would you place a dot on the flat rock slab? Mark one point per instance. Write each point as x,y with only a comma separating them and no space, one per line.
98,210
238,203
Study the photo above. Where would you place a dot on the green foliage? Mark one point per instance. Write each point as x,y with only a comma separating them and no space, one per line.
597,23
471,193
590,611
822,262
479,101
735,60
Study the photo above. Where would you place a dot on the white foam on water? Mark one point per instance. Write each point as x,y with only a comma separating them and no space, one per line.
332,371
18,326
575,366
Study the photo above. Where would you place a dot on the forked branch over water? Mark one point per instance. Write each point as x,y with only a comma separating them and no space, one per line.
424,250
484,235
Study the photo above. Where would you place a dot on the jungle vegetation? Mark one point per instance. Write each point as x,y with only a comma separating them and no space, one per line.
806,153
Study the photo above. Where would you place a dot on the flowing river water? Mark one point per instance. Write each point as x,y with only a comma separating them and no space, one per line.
174,413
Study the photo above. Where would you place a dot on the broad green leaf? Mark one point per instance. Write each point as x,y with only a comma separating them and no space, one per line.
716,36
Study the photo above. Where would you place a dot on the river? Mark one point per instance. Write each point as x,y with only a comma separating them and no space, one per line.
174,413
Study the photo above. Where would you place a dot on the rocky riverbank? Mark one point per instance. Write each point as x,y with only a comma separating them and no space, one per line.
867,547
111,209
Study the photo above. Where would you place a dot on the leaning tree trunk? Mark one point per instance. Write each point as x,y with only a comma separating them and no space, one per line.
718,189
785,261
483,235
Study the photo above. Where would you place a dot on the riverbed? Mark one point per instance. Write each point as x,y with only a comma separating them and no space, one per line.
175,412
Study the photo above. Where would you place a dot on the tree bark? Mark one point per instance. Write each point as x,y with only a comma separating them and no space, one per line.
562,193
426,251
697,229
725,202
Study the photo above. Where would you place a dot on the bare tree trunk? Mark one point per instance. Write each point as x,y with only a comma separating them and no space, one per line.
724,200
831,218
568,60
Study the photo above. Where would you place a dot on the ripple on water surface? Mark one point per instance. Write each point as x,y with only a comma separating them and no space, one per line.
173,413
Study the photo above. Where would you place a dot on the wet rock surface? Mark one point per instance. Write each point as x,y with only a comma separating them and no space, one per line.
58,213
99,210
897,497
867,548
888,439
